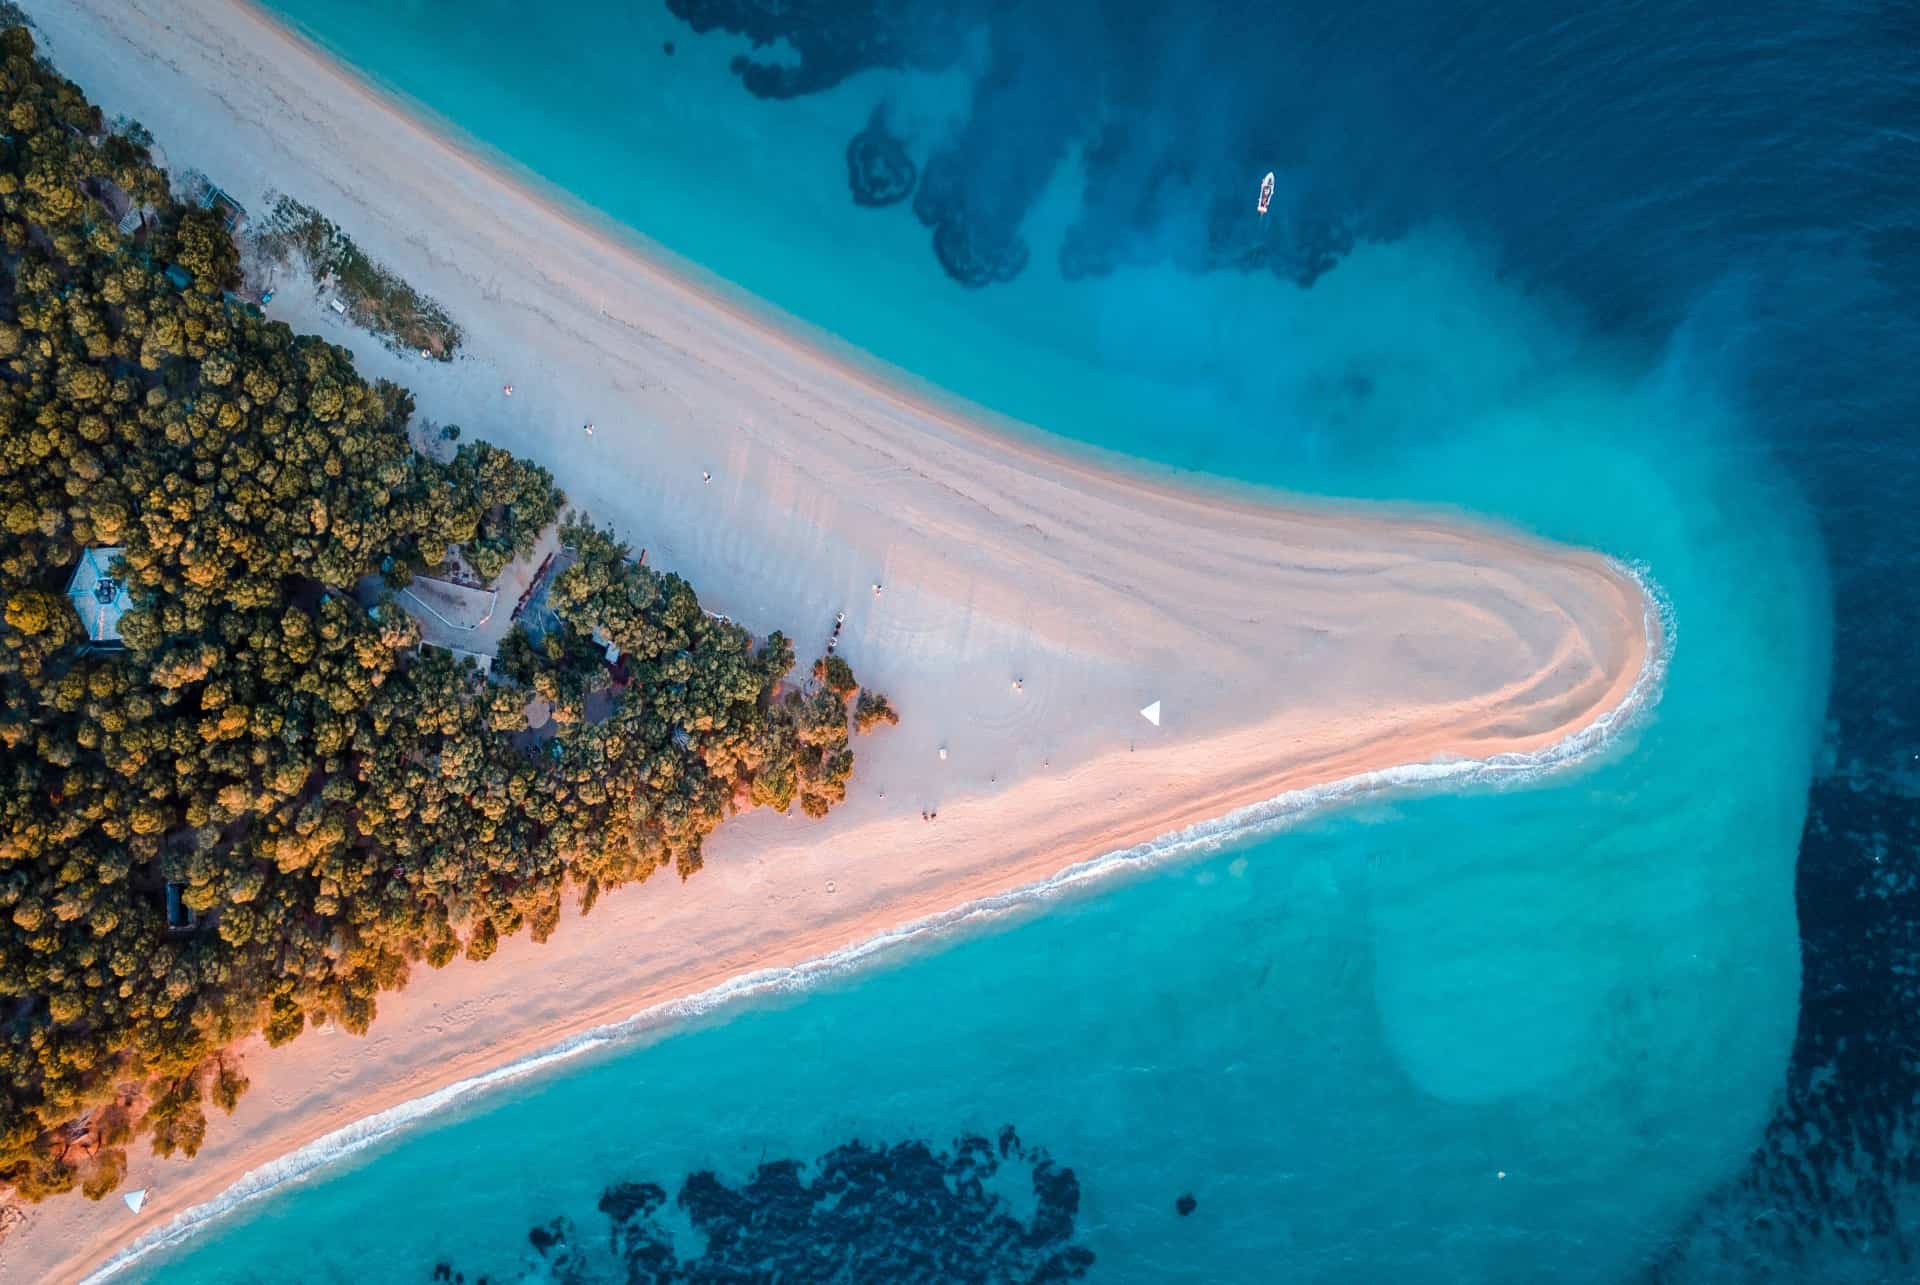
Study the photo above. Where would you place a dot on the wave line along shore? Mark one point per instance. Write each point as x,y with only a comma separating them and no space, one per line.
1033,602
342,1144
1272,814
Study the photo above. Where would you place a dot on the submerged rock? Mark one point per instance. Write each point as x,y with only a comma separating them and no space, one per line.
832,41
878,168
900,1212
977,247
1033,103
975,258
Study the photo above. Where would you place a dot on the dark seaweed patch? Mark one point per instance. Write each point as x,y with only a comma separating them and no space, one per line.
878,168
861,1212
1036,99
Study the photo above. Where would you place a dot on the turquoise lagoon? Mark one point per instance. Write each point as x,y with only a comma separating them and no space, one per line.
1337,1036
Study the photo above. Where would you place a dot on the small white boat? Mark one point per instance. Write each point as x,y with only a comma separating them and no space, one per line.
1266,193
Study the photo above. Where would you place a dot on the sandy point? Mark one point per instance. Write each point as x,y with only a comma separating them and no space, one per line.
1032,601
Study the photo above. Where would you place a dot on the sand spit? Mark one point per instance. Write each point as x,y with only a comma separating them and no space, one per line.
1030,603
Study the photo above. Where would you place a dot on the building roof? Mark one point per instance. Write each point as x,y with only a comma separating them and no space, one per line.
179,913
112,197
97,596
231,212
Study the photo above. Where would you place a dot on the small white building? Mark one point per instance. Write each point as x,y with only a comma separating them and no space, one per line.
612,648
97,596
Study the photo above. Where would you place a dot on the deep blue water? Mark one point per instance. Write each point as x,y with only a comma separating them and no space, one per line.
1641,276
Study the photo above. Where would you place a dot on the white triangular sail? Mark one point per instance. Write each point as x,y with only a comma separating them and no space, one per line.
135,1199
1152,713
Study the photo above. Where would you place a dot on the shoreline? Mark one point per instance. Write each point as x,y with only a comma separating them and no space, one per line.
913,393
1004,552
662,1020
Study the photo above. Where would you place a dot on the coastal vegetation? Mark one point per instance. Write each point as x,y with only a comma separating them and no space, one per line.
266,803
374,296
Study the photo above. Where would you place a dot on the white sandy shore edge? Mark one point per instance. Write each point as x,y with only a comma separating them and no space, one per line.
1297,652
332,1148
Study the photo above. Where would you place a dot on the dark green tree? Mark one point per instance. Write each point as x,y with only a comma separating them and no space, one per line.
332,807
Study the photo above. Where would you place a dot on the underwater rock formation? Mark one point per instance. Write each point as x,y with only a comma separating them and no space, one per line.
975,248
860,1212
878,168
1033,102
833,41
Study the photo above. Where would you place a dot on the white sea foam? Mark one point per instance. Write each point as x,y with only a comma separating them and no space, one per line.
1204,837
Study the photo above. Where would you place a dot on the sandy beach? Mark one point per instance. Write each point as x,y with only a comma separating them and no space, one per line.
1032,600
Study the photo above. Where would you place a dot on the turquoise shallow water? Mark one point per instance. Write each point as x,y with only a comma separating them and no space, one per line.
1335,1037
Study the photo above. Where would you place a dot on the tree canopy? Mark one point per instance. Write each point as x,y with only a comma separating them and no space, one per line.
334,804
